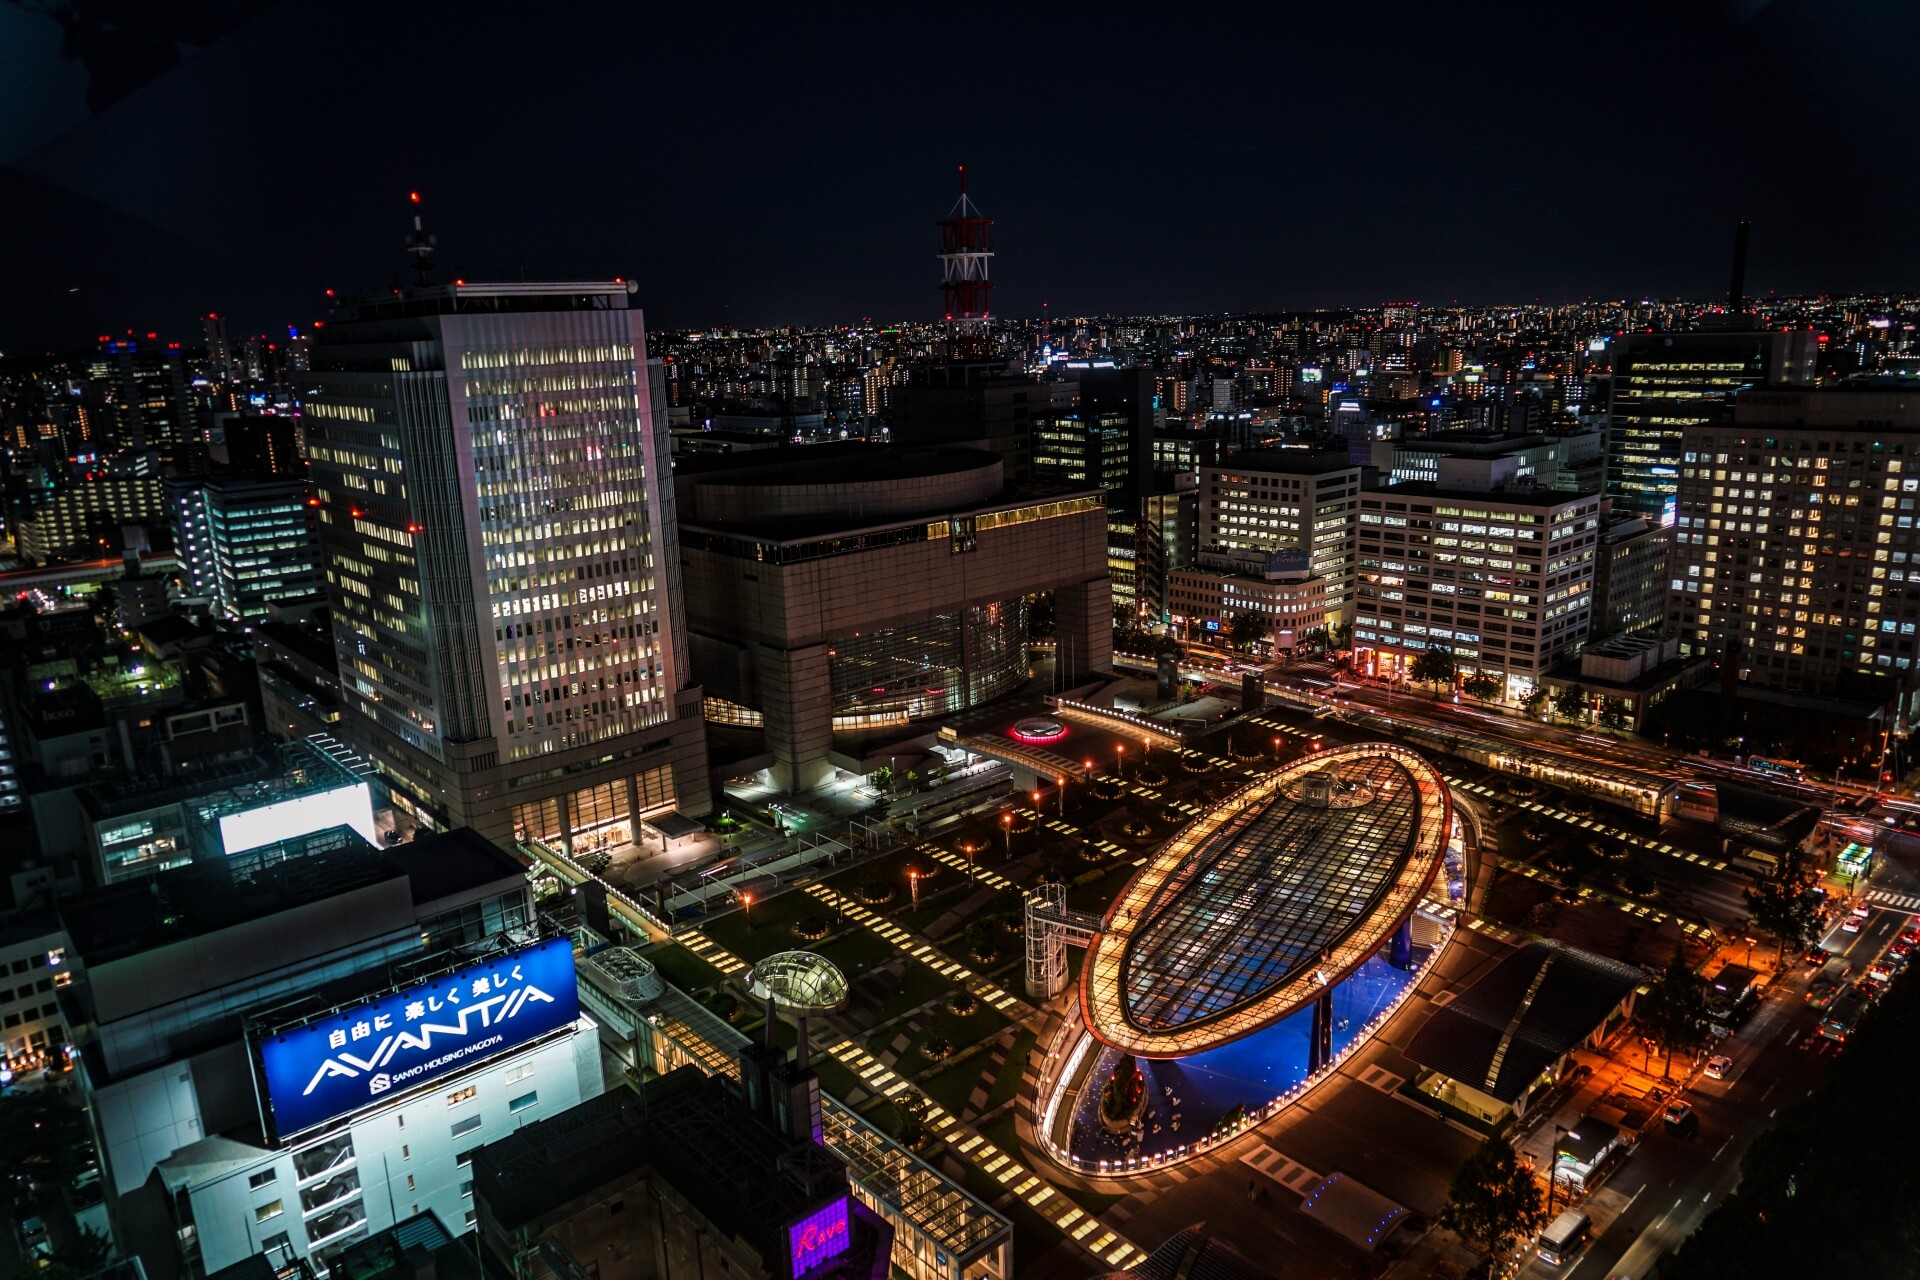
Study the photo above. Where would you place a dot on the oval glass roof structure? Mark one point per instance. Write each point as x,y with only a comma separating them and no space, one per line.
1282,889
799,981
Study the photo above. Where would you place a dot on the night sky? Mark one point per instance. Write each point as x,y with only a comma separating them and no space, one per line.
762,166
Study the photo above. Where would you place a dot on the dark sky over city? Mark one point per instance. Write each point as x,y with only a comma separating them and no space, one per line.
768,165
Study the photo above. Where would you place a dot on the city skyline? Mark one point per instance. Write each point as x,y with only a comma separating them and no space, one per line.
1314,172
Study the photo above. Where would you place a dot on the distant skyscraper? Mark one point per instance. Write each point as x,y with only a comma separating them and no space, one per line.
1664,383
139,387
502,558
219,346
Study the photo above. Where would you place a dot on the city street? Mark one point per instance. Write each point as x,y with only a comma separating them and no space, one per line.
1673,1183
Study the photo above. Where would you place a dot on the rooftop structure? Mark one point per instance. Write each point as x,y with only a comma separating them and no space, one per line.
1500,1037
851,588
1275,895
800,982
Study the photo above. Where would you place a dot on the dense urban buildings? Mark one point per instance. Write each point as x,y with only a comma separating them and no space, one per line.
502,559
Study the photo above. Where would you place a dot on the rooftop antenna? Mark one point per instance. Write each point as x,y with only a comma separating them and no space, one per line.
1737,290
420,244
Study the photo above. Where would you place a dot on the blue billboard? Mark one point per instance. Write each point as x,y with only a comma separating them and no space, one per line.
350,1060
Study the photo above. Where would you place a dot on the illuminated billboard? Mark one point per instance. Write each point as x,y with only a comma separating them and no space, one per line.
350,806
819,1238
349,1060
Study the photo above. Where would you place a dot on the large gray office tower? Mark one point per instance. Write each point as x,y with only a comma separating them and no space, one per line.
502,559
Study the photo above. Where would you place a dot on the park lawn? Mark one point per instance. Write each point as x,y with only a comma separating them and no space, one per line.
1007,1083
772,926
682,968
1002,1132
917,985
952,1085
855,950
1099,895
981,1025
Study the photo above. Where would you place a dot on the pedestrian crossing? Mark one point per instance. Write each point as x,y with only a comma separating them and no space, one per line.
1594,825
710,951
1289,1173
910,944
1909,902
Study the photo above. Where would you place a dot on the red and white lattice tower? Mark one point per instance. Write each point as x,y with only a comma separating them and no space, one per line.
965,259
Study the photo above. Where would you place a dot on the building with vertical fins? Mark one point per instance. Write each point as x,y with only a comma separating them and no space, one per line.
502,560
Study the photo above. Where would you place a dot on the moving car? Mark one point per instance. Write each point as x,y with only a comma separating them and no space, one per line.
1861,910
1718,1066
1850,925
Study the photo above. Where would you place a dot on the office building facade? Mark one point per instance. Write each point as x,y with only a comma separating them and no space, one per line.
250,546
502,560
1797,557
1630,575
1501,576
1666,383
1282,499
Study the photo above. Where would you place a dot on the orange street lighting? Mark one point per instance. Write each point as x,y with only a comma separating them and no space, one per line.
746,902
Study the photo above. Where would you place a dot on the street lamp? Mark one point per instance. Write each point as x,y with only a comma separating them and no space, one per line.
1061,782
746,903
1553,1166
1006,825
969,848
1120,760
913,885
1276,750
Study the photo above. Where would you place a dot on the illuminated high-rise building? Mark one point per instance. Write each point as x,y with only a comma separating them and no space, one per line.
497,518
1667,383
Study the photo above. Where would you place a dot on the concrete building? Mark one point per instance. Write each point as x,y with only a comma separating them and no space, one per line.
491,462
1147,539
719,1189
840,588
1502,575
1797,555
972,403
285,1051
1571,463
1629,674
1276,586
1665,384
33,963
83,520
1630,575
251,546
1284,499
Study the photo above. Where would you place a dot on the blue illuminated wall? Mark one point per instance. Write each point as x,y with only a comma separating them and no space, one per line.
342,1063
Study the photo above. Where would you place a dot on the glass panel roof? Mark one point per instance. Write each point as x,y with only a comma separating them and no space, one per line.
1276,893
1265,895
